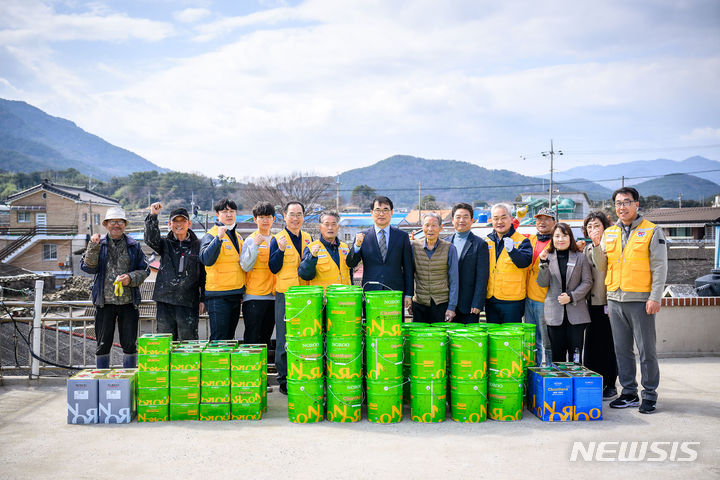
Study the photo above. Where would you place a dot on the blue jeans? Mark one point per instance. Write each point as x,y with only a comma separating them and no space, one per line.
535,313
504,311
224,313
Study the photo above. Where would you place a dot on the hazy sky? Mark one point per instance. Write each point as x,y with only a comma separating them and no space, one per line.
250,88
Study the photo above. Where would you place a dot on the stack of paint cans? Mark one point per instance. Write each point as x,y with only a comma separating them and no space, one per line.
468,374
215,380
506,380
185,381
154,377
428,374
248,383
262,370
344,347
384,355
304,349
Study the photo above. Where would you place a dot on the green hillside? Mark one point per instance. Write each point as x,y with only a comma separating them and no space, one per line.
670,187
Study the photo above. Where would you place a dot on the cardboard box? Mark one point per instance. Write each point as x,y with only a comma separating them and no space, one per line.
117,396
153,396
184,411
153,379
245,378
215,394
184,395
214,411
215,358
153,413
154,344
246,395
552,394
153,362
245,411
184,378
82,396
587,393
219,377
251,359
185,359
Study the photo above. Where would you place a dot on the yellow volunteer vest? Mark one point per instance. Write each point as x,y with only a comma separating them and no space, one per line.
260,280
326,271
535,291
629,269
506,281
225,274
288,274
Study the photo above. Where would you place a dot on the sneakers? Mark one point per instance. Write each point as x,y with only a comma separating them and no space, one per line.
647,406
625,400
283,388
609,392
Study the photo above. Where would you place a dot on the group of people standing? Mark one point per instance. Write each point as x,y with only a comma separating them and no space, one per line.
599,294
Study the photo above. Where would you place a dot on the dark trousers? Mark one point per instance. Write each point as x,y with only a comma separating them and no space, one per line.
181,321
280,355
466,318
565,339
504,311
599,348
127,320
429,314
224,313
259,318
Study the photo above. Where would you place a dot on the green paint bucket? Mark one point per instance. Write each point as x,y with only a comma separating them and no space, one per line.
468,354
469,400
477,326
304,358
306,400
303,311
384,313
384,358
344,311
428,400
384,400
505,399
344,356
428,353
528,330
505,353
344,400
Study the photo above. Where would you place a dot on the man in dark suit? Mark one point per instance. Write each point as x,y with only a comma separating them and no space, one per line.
473,265
385,253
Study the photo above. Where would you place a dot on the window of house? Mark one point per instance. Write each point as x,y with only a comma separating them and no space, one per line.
23,217
84,217
96,218
49,251
348,238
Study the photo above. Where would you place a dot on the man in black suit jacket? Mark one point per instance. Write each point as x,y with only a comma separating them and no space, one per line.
387,266
473,265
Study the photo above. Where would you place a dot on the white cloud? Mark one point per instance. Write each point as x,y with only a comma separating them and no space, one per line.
191,15
703,133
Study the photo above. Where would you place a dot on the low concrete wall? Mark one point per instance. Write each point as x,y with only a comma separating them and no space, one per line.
688,327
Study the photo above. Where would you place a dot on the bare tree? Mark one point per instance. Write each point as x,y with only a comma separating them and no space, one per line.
280,189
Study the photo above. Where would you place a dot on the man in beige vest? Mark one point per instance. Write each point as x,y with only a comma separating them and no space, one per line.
436,274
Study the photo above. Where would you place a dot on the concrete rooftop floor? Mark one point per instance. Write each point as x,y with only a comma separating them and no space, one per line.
36,442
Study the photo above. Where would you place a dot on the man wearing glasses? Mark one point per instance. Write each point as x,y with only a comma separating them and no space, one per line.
385,253
634,255
324,261
225,281
285,254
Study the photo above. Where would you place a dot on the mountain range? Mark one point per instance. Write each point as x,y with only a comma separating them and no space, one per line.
31,140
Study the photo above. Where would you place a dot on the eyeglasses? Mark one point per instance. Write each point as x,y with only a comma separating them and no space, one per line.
383,211
116,222
624,203
295,215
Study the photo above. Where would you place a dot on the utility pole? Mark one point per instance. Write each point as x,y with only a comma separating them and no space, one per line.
419,204
680,200
551,154
623,181
337,194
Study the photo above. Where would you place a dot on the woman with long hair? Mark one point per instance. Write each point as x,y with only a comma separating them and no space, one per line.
566,272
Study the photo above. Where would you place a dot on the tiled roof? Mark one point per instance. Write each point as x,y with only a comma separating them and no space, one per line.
684,215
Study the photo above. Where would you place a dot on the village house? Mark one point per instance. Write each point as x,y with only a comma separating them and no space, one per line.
49,227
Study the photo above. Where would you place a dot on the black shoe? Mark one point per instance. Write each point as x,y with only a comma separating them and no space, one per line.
647,406
625,400
609,392
283,388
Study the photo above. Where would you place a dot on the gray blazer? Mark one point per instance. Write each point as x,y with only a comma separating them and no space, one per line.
579,282
598,294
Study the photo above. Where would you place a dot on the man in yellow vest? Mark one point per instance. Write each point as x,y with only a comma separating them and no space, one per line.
510,254
634,255
285,254
259,302
535,302
225,281
324,261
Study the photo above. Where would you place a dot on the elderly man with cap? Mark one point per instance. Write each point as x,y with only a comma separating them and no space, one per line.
180,282
535,303
119,266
